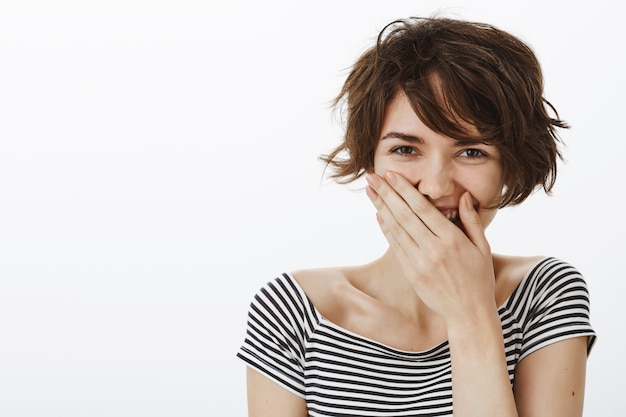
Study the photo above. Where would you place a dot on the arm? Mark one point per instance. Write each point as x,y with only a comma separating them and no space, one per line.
268,399
452,273
551,381
461,291
273,351
480,378
548,383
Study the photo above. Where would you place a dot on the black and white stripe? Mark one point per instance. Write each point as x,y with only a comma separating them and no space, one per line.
340,373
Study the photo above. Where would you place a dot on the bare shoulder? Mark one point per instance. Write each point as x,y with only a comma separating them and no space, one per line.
515,264
320,279
329,289
510,271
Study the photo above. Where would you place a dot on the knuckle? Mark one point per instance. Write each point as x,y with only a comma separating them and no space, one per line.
396,230
420,208
384,192
405,217
437,257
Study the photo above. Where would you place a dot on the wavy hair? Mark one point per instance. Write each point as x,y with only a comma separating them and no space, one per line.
454,72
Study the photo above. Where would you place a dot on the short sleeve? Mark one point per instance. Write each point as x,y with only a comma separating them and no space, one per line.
274,342
559,307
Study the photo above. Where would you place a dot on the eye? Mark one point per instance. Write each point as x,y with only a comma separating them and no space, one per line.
472,153
404,150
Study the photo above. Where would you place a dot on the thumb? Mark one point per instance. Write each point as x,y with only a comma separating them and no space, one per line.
471,221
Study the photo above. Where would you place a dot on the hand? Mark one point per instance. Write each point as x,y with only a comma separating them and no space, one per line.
451,271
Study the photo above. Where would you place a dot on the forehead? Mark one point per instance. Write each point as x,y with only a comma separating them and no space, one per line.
400,115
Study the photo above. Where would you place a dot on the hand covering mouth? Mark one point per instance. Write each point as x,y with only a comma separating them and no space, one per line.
453,216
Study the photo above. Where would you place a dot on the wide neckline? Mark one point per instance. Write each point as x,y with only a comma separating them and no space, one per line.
435,350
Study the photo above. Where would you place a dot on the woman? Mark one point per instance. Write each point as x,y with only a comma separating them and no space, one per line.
447,121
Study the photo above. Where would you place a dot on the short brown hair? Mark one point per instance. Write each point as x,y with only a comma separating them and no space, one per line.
486,77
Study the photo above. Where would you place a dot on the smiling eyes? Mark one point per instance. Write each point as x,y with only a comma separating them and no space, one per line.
404,150
473,153
469,153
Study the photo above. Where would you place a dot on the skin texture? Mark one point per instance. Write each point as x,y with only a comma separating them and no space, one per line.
417,169
438,280
266,398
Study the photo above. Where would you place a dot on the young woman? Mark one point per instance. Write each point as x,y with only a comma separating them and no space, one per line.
447,121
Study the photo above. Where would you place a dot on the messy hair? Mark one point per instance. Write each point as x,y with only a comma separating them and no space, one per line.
453,72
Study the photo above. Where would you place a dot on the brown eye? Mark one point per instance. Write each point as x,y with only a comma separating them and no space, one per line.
473,153
403,150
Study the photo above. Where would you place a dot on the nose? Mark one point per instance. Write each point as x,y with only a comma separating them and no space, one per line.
435,179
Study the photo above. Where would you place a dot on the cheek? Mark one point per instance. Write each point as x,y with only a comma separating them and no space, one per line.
487,193
486,186
382,165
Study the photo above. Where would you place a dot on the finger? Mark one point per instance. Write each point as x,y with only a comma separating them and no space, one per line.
395,217
434,220
398,238
392,204
471,222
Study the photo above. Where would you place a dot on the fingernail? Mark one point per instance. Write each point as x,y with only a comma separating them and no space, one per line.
372,180
391,177
468,200
371,193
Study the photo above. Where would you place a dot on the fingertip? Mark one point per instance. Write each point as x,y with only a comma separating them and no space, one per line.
391,178
469,216
468,201
371,193
373,180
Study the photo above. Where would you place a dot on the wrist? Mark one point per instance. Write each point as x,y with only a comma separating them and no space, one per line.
478,325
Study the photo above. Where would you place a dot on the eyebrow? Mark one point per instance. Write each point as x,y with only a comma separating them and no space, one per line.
417,139
403,136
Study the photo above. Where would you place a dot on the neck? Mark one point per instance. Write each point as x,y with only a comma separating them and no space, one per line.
387,283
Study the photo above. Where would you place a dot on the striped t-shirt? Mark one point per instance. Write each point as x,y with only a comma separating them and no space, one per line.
340,373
